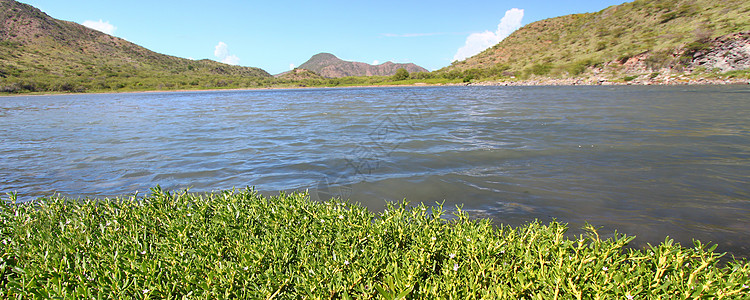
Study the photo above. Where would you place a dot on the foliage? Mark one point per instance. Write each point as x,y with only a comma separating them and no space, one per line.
401,74
695,47
580,66
421,75
738,74
238,244
540,69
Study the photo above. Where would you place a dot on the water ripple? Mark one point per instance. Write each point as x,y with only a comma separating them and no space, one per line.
648,161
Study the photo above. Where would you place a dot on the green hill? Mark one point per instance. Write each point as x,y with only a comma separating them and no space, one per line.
644,36
40,54
299,74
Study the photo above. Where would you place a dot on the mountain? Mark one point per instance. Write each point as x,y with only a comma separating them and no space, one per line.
643,36
330,66
40,53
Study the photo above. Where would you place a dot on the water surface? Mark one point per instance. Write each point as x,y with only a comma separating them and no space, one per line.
647,161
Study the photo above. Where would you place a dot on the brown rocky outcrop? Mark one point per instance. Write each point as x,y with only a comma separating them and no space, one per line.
726,53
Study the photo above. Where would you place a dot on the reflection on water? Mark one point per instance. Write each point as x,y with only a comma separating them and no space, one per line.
647,161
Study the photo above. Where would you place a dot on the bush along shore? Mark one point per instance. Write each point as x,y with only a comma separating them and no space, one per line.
239,244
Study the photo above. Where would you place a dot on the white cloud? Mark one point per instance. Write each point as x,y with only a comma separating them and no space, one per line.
376,62
221,51
478,42
100,25
291,66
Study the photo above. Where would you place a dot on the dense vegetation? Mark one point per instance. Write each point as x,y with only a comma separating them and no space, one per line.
669,31
305,78
238,244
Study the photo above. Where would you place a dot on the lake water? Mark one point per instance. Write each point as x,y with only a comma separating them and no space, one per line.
647,161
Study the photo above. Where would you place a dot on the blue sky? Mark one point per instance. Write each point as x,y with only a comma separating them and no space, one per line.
276,35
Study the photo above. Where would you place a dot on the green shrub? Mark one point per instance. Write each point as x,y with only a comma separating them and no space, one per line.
401,74
668,17
738,74
541,69
601,45
422,75
453,74
238,244
579,67
694,47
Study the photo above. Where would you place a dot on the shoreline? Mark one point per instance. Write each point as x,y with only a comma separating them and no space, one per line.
682,80
220,90
532,82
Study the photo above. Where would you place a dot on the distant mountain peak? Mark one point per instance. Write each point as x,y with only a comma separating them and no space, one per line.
330,66
324,55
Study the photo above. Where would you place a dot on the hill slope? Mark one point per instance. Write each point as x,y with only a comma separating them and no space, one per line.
40,53
328,65
298,75
632,38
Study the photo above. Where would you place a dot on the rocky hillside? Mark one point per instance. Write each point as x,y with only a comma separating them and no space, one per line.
640,38
330,66
40,53
726,53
